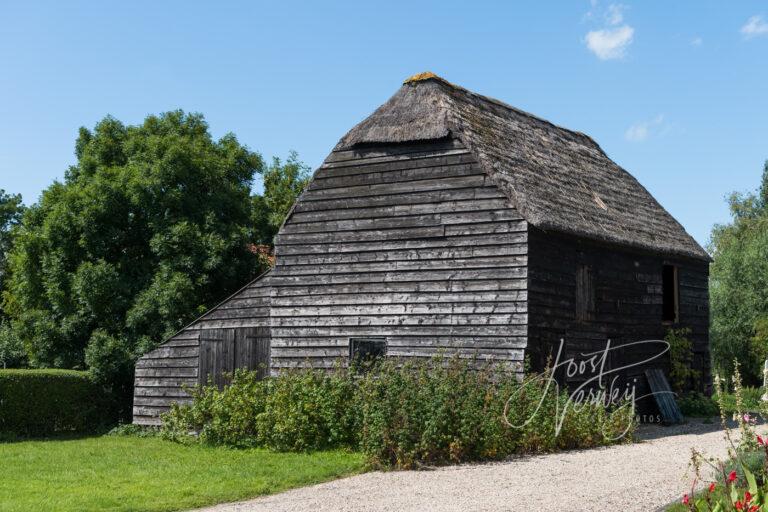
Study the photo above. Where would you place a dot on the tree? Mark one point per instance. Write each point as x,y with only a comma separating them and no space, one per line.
149,229
283,183
11,210
739,285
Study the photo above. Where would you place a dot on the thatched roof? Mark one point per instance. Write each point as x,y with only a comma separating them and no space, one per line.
560,180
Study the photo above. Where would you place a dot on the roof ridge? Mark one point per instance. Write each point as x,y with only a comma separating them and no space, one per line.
430,76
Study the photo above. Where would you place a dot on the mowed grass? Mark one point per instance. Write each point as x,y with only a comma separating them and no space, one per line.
132,473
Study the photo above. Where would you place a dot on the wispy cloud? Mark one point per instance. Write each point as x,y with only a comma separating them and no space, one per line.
697,41
755,26
610,42
615,14
641,131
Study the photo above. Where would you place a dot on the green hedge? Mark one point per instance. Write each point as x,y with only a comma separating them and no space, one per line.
36,403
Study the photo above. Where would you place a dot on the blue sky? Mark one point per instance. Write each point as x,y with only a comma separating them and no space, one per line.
675,92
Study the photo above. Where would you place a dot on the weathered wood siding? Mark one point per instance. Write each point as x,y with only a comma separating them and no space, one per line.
162,374
410,242
627,293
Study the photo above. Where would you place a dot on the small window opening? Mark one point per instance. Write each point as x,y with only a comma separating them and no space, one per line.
670,296
365,351
585,293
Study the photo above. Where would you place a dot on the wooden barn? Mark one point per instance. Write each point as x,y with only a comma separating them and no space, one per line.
451,221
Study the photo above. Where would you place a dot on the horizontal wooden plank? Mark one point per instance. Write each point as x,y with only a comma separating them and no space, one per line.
151,411
333,247
401,330
400,222
165,382
170,391
422,297
416,186
403,210
502,263
153,421
501,283
459,274
507,342
434,191
397,172
231,323
159,401
166,362
170,351
479,319
167,372
393,151
399,309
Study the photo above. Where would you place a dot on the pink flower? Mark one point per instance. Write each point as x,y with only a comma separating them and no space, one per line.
686,499
760,440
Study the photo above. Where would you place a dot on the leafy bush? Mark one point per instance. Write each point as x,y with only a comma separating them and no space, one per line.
429,412
698,406
12,354
682,374
133,430
46,402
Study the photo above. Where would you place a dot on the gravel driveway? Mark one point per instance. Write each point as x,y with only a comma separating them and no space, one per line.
642,476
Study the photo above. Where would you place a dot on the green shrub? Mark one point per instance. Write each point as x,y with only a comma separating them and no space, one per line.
698,406
682,375
46,402
750,400
399,415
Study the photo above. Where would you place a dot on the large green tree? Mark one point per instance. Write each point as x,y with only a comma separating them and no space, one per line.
284,181
11,210
149,229
11,349
739,285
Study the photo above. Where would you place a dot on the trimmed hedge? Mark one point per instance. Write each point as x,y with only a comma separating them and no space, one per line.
35,403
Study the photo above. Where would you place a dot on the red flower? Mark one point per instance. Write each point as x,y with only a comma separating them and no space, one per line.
732,476
754,508
712,487
760,440
747,497
739,505
686,499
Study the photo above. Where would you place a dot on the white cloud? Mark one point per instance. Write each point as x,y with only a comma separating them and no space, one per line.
697,41
615,14
755,26
610,43
641,131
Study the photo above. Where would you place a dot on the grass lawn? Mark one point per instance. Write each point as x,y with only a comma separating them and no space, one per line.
131,473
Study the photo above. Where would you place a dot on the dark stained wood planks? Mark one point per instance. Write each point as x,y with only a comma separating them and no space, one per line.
415,244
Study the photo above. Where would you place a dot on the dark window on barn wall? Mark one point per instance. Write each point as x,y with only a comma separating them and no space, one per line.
670,295
585,293
365,350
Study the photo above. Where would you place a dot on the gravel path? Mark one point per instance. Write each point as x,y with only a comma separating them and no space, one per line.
642,476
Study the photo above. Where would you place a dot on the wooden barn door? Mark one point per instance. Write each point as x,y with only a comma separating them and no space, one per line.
224,350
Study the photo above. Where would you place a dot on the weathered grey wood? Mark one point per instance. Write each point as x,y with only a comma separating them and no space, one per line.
433,196
665,398
403,210
404,221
